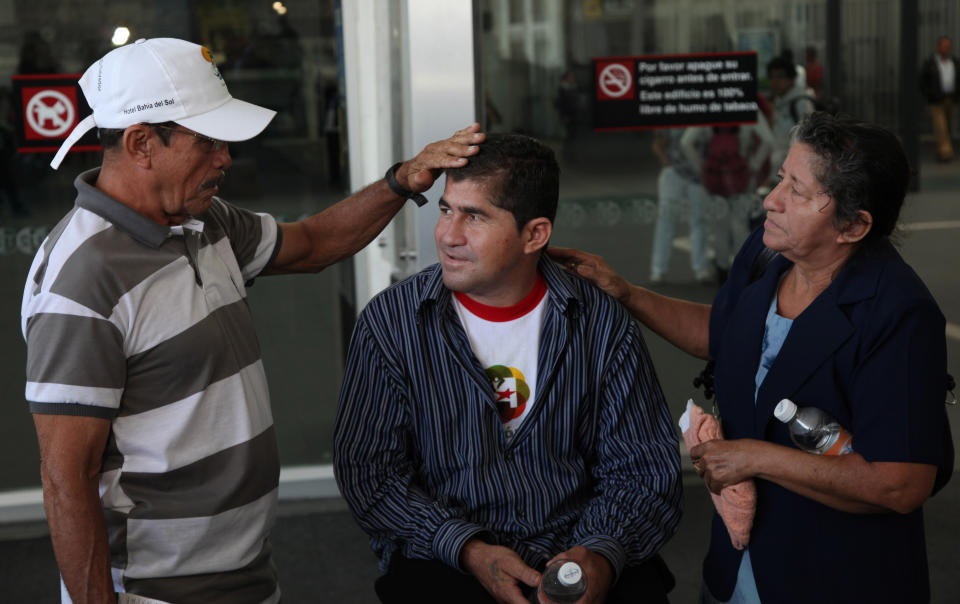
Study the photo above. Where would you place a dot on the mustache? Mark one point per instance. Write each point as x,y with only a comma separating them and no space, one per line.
213,182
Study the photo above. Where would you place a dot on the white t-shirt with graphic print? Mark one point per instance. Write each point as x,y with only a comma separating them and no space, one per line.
506,341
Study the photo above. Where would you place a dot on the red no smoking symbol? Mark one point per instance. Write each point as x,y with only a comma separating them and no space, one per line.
49,112
614,80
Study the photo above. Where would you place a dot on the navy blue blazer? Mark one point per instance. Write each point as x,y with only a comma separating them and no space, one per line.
871,351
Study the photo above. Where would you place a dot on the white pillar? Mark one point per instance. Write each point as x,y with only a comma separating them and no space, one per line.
439,91
437,96
370,126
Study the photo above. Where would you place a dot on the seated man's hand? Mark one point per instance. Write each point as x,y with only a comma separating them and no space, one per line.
498,569
419,173
597,569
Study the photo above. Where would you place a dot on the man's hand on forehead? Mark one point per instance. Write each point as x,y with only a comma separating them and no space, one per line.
419,173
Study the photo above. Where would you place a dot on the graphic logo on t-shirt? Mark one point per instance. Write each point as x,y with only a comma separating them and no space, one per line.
512,391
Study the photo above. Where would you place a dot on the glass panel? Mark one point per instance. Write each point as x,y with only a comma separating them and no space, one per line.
609,184
284,56
517,10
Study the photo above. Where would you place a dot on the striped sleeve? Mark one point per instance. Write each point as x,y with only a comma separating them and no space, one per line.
637,506
62,376
254,237
373,461
64,318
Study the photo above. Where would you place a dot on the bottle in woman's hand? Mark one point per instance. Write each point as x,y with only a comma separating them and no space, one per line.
814,430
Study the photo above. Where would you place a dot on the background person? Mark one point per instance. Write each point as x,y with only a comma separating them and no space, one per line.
159,459
570,109
731,207
814,69
679,193
497,413
801,78
790,106
938,83
837,321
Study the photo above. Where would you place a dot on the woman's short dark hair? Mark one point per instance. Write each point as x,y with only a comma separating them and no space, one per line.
519,173
111,137
861,166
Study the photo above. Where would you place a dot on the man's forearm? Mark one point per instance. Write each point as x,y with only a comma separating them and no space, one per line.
79,537
355,221
340,231
346,227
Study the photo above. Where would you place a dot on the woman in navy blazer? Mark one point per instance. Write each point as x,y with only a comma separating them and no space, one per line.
864,340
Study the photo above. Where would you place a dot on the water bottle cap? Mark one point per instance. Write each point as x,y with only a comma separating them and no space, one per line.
785,410
569,573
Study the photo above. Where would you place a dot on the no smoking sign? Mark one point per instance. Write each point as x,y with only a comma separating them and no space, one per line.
614,80
675,91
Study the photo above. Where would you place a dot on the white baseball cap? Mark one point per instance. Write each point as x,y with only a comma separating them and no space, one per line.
164,80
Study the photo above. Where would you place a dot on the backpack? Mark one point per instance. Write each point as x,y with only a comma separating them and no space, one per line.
724,171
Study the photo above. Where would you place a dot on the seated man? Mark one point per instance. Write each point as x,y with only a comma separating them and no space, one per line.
498,412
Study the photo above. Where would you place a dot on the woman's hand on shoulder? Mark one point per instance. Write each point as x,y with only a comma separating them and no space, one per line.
593,268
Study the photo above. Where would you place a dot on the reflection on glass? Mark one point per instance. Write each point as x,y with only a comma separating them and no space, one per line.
283,56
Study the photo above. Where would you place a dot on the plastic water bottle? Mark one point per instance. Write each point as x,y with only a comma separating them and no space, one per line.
562,581
814,430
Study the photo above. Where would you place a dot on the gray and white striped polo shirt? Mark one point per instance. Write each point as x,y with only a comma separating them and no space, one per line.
148,326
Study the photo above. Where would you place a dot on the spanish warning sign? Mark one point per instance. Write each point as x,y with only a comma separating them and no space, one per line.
663,91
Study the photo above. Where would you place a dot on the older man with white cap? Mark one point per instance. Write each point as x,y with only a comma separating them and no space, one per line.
144,376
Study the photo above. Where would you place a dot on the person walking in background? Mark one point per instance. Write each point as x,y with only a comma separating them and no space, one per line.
731,161
790,105
679,193
814,71
800,81
159,458
938,83
569,108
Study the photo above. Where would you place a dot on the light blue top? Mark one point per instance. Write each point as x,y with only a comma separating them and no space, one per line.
774,334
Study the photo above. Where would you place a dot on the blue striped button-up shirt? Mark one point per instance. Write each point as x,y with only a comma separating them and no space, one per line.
420,453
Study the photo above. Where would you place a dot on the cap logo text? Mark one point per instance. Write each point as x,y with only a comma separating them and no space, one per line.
156,104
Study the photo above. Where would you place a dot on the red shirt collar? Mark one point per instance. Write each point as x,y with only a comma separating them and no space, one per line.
500,314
